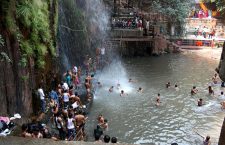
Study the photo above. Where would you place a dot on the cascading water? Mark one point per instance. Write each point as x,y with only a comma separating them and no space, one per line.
83,27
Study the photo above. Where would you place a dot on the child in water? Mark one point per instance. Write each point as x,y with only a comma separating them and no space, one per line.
158,100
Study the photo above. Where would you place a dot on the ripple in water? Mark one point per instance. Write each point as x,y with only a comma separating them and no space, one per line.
136,119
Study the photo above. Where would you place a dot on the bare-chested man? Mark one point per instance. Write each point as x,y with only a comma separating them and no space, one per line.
80,119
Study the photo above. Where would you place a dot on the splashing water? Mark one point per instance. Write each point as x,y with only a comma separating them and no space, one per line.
113,75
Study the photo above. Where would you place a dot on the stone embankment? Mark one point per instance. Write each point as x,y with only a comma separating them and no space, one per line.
31,141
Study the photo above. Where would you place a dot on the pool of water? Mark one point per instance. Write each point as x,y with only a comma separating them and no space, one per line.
134,118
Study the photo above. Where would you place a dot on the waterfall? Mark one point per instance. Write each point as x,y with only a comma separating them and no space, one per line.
82,28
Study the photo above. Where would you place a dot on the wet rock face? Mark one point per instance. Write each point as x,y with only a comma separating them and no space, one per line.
221,67
15,93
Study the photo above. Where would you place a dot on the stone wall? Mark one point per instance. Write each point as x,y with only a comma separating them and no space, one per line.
31,141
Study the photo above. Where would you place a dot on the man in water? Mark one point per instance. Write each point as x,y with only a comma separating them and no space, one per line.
111,89
131,80
140,90
200,102
168,85
176,87
158,100
215,79
194,90
99,84
207,141
122,93
221,95
211,92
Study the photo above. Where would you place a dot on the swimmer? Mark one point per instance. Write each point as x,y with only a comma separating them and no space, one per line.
158,100
222,105
221,95
194,90
200,102
215,79
211,92
131,81
111,89
168,85
140,90
207,141
99,84
176,87
122,93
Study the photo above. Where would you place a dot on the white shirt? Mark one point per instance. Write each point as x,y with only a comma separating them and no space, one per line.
75,105
41,94
75,69
102,51
65,97
70,124
65,86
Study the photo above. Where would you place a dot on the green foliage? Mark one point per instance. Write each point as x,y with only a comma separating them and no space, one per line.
220,4
41,49
175,10
23,61
25,77
34,17
26,48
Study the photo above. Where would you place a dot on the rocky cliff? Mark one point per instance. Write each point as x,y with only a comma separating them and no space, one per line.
26,43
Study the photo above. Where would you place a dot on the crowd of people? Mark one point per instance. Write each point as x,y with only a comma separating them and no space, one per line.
136,22
205,32
129,23
68,114
99,134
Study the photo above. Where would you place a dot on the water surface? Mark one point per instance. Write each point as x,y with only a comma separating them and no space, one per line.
135,118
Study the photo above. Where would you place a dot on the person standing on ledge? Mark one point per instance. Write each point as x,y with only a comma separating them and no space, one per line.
42,98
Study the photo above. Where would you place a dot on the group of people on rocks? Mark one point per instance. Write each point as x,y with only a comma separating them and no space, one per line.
68,114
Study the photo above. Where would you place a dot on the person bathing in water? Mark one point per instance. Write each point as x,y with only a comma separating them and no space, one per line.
194,90
211,92
140,90
222,105
168,85
200,102
111,89
176,87
158,100
131,80
215,79
122,93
